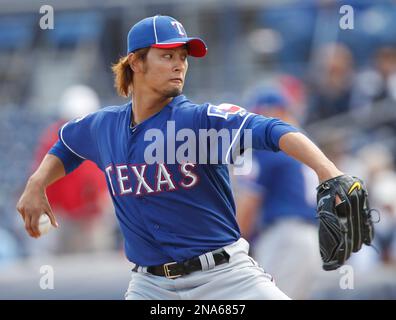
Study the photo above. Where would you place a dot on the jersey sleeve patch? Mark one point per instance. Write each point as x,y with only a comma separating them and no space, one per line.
224,110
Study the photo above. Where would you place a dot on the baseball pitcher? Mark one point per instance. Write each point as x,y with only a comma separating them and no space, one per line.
168,178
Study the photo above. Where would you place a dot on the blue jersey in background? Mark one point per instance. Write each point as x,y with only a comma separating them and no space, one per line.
287,186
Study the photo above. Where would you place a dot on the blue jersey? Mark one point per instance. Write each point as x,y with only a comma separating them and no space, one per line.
167,211
287,186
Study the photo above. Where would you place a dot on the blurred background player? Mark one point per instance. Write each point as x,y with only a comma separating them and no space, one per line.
81,198
331,82
276,207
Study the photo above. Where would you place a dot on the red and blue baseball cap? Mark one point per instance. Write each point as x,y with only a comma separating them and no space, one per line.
163,32
266,98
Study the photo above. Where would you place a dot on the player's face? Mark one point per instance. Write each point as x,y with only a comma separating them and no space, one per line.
165,70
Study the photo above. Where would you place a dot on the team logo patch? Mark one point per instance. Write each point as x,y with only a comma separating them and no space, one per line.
225,109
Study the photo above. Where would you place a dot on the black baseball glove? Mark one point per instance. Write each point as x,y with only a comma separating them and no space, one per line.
343,228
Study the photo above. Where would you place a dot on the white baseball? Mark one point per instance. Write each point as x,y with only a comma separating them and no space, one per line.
44,224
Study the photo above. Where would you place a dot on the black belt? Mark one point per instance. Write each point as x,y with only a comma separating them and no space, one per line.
173,270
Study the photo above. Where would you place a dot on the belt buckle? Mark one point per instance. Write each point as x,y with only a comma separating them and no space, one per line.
168,272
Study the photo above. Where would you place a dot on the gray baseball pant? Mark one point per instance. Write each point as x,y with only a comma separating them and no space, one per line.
239,279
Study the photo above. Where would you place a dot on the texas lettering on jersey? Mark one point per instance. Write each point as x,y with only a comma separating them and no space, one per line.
133,179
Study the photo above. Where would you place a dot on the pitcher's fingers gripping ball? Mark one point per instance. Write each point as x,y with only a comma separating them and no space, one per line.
344,227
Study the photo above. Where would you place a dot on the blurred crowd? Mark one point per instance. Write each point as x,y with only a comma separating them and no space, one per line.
290,61
80,200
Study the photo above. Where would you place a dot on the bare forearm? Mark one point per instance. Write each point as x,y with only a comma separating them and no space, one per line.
50,170
301,148
33,201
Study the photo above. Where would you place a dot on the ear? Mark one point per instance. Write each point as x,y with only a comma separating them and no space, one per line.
135,63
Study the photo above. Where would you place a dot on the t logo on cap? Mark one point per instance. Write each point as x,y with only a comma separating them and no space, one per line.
163,32
179,27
